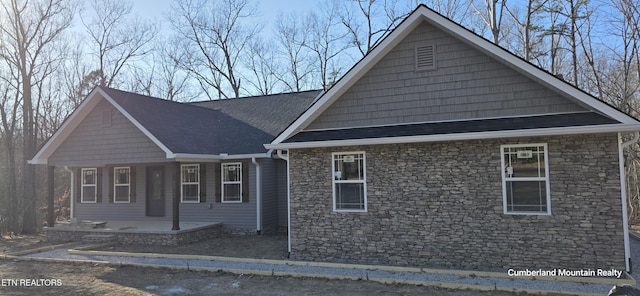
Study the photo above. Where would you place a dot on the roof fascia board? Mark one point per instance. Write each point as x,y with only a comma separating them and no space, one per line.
355,73
462,136
167,151
185,157
68,126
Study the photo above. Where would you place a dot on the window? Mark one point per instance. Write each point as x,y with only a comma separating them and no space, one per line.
231,182
525,179
349,182
89,186
190,184
121,184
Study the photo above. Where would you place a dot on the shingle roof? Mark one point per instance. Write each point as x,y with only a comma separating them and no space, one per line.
192,129
270,113
455,127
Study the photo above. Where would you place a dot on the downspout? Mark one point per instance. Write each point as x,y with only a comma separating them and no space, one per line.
71,190
623,196
258,196
286,158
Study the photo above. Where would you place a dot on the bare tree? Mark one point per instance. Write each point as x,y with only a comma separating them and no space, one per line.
76,73
172,82
28,29
291,40
368,21
491,15
529,28
117,38
263,65
326,42
553,33
9,108
575,12
456,10
217,39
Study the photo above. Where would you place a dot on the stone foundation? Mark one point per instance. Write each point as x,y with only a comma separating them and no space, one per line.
169,238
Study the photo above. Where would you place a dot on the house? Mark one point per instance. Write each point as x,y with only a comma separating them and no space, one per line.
441,149
138,158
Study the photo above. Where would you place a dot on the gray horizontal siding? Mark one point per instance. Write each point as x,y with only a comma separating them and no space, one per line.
467,84
91,143
105,210
269,193
241,215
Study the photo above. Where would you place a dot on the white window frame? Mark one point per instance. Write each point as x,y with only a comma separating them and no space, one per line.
116,185
183,183
223,167
506,178
363,181
83,185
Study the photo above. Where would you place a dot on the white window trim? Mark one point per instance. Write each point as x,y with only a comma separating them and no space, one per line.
223,182
82,185
545,178
197,166
363,181
115,185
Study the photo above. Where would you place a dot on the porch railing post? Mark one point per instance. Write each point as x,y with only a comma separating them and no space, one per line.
176,197
51,219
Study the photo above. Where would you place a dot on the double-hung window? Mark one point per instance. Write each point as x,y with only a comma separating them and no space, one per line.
525,179
121,184
190,183
89,185
232,182
349,182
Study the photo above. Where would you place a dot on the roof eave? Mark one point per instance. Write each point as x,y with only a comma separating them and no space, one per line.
191,157
462,136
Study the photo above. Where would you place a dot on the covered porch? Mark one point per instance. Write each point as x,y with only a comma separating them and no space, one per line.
133,232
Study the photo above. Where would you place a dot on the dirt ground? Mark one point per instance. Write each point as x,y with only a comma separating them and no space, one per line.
53,278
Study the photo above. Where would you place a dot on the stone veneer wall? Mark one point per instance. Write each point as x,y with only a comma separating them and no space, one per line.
441,205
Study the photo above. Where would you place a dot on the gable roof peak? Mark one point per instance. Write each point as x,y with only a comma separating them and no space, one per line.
421,14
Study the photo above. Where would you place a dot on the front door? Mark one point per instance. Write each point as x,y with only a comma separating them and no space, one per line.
155,191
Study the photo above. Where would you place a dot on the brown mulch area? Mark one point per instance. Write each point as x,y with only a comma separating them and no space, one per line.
245,246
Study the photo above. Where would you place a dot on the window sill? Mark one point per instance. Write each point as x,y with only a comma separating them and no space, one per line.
349,211
528,213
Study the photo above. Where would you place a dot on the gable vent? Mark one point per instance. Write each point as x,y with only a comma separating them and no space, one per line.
425,57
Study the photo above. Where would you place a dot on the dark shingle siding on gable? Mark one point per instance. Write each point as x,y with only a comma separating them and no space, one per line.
467,84
455,127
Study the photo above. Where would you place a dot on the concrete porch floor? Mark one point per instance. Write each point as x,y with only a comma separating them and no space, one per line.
157,227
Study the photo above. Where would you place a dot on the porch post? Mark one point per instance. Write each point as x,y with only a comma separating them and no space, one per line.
51,219
176,197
